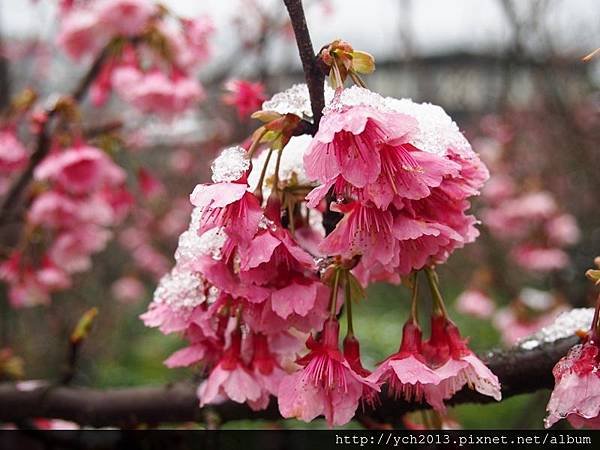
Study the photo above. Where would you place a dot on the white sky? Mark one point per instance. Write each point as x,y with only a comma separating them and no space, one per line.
374,25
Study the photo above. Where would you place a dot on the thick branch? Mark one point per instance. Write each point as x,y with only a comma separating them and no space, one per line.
314,75
519,371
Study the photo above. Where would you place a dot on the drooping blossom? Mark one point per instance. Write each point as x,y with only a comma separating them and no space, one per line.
455,364
231,378
406,372
576,394
326,385
402,174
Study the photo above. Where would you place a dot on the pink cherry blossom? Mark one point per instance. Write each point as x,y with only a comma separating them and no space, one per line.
247,97
228,205
81,169
128,289
364,230
13,154
348,142
475,303
456,365
125,17
576,394
537,259
81,33
406,372
326,385
155,92
72,249
231,378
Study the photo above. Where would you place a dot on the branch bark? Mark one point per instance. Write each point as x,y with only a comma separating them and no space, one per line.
313,72
520,371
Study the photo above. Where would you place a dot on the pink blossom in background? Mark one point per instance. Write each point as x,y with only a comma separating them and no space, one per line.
125,17
475,303
247,97
563,230
13,155
128,289
149,184
540,259
80,169
154,92
81,33
533,310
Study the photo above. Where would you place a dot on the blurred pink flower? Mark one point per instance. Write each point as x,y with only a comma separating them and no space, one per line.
81,169
563,230
128,289
475,303
81,33
247,97
540,259
13,154
154,92
125,17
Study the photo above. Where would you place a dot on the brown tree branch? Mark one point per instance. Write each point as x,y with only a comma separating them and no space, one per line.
520,371
313,71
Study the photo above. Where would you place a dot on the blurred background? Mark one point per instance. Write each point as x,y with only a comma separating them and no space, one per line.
510,73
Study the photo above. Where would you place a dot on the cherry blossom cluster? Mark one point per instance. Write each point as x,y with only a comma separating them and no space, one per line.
151,53
257,287
81,194
533,223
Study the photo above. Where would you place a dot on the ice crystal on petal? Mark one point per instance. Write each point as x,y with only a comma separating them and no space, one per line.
357,96
564,326
189,241
294,100
291,168
230,165
180,289
211,242
437,131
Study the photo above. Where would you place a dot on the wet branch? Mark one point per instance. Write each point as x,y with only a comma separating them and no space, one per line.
520,371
